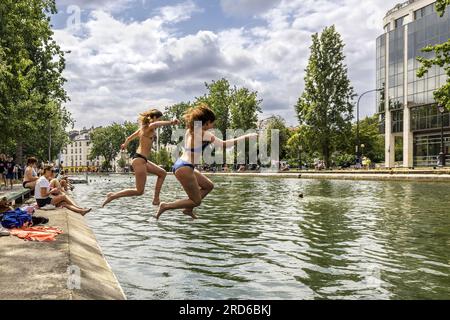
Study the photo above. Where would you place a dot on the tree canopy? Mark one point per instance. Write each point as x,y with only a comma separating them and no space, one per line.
325,107
235,108
31,83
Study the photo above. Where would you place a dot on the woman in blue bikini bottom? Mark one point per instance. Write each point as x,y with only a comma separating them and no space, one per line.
195,184
180,164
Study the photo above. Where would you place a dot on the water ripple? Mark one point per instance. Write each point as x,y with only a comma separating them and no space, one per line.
257,239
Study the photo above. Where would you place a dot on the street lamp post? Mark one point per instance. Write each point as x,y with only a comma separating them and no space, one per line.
299,158
442,153
49,140
87,172
358,143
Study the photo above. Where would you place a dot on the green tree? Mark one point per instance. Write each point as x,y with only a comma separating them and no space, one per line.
278,123
244,109
325,105
121,163
31,82
301,145
130,128
441,6
175,111
162,158
235,108
441,59
371,138
106,142
218,99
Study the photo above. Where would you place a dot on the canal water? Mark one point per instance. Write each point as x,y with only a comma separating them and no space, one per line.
256,238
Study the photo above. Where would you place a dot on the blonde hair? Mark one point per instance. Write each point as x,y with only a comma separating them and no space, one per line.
201,112
147,117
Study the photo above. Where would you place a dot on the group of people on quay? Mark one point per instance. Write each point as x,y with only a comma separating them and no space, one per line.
49,184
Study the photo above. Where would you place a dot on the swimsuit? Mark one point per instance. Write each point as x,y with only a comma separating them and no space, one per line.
181,163
34,174
200,149
138,155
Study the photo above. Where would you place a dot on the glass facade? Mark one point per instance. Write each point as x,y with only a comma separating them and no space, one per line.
428,147
397,121
396,68
428,117
422,12
398,75
429,30
400,22
381,72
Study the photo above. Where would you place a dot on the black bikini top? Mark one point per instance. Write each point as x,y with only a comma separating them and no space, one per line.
200,149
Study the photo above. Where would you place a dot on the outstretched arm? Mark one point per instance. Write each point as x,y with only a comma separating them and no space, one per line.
159,124
129,139
227,143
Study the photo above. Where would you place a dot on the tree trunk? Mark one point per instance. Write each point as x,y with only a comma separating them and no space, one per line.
19,152
326,156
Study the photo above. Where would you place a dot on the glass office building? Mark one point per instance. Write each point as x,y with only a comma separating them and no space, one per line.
409,116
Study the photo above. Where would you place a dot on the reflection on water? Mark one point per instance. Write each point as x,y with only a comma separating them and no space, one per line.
257,239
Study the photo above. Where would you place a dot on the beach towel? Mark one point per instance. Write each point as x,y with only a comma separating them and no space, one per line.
40,234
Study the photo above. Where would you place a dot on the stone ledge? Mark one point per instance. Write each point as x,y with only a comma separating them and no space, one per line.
39,270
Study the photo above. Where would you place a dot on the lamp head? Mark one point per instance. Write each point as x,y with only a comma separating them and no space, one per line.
441,108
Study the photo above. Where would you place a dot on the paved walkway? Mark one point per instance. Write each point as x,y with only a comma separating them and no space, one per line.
35,270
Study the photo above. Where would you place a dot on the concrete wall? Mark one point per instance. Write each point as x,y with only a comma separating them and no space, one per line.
71,268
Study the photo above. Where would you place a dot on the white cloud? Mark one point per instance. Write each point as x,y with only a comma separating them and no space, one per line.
117,69
105,5
181,12
244,8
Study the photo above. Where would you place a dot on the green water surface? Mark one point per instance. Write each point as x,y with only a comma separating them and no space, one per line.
257,239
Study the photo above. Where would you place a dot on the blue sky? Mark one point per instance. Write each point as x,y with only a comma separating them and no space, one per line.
130,55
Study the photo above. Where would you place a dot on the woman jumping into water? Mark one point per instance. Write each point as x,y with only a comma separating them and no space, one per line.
196,185
149,122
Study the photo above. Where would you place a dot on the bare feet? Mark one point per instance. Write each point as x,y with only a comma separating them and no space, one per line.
161,210
108,199
156,202
190,213
86,211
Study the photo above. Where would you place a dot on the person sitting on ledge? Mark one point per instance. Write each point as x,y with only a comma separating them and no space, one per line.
30,177
62,181
43,191
67,180
57,184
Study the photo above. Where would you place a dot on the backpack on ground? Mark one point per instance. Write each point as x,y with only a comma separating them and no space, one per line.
15,219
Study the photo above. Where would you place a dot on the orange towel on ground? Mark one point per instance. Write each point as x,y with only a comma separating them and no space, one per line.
40,234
